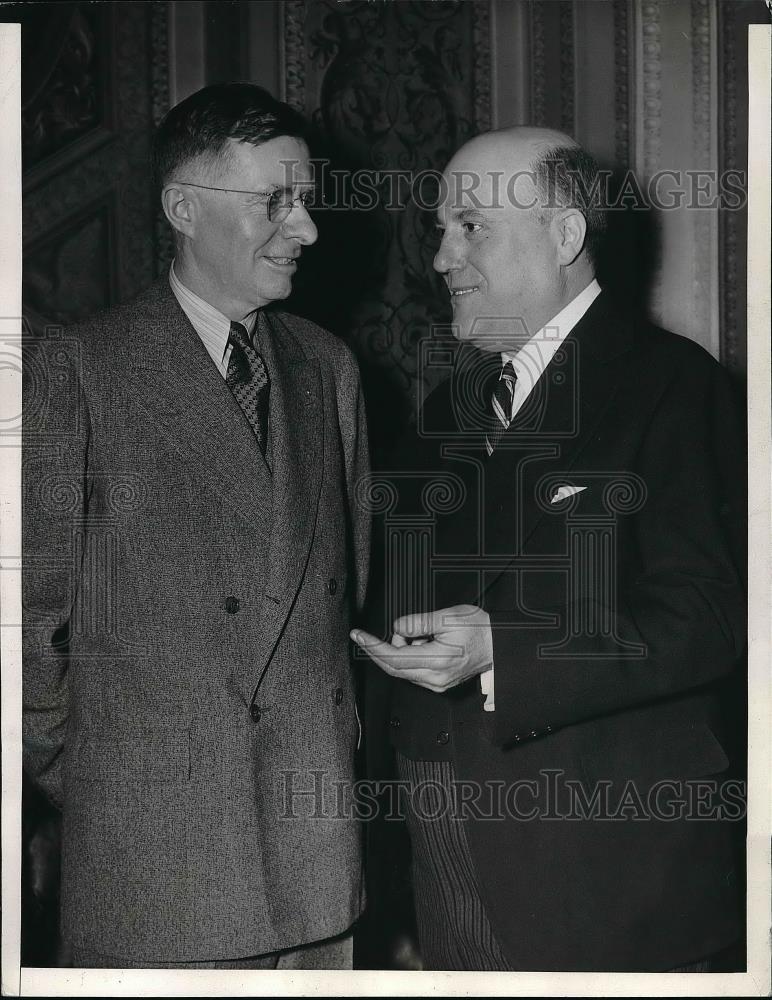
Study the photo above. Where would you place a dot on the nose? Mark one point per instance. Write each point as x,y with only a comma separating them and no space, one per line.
299,225
449,257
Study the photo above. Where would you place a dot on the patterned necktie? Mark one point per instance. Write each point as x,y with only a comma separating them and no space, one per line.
503,394
247,379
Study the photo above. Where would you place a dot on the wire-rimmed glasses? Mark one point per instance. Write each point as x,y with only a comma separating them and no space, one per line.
278,203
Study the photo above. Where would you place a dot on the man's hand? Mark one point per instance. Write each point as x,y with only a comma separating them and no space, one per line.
449,646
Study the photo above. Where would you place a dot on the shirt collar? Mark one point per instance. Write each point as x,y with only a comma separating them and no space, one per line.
553,333
212,326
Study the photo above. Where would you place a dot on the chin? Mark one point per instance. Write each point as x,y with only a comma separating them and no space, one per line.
488,346
465,336
269,295
461,333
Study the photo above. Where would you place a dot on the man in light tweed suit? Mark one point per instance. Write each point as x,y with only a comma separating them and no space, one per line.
193,553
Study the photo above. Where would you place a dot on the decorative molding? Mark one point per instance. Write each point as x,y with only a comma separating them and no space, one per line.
73,154
160,101
69,110
481,40
135,253
729,220
62,195
294,53
186,48
395,88
70,272
701,31
159,61
510,60
538,63
118,168
567,79
652,86
648,122
621,83
703,220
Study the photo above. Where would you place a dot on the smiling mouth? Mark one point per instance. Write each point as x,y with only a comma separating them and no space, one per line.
282,261
457,292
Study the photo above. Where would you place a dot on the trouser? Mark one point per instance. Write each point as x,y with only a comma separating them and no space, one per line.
453,930
332,953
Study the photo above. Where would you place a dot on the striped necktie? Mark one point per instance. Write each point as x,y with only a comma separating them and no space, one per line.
503,394
247,378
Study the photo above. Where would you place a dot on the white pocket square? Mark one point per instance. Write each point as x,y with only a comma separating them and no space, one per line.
566,491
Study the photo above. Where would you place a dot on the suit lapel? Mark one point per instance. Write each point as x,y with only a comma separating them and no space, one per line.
174,380
171,376
561,415
297,445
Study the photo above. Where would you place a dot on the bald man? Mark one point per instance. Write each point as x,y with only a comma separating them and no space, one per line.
556,701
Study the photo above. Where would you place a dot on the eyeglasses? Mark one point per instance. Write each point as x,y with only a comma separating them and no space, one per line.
278,203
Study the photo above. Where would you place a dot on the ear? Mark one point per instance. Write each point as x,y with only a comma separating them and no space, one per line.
180,208
570,232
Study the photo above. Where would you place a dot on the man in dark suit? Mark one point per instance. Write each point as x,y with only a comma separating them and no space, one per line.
556,702
193,554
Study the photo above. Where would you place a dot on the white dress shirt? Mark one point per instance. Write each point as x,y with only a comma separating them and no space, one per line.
530,363
212,326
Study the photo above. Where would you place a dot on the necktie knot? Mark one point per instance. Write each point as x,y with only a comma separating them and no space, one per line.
508,372
240,337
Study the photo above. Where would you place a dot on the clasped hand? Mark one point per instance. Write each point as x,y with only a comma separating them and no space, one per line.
436,650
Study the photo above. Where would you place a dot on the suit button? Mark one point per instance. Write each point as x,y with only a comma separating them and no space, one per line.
516,738
548,729
332,585
443,738
533,733
254,711
394,722
232,605
338,696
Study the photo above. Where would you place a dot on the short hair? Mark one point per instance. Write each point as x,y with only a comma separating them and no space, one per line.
569,177
202,124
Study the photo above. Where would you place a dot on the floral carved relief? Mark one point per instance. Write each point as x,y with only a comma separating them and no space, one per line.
393,90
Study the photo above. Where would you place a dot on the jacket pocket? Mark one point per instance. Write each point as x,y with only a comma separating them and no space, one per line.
672,754
152,755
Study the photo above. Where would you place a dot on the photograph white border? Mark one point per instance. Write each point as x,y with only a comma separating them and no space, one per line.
67,982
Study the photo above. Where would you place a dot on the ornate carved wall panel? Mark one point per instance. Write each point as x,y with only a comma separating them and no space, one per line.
652,86
649,85
733,21
391,88
622,82
68,85
92,83
552,63
70,273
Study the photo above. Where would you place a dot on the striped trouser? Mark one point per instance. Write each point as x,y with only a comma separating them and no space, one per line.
453,929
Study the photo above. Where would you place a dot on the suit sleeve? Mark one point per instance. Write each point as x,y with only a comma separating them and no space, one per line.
684,602
54,499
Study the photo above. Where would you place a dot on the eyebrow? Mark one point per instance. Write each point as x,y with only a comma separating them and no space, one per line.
296,184
273,188
464,214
